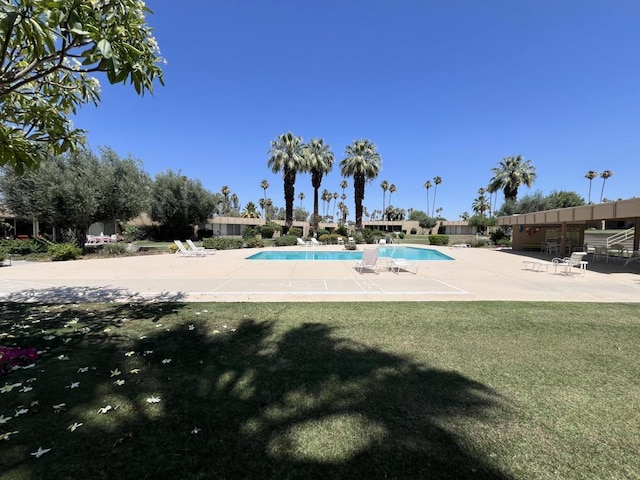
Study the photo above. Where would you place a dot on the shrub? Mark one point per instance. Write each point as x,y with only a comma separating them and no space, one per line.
114,249
286,241
24,247
64,251
295,232
350,246
251,232
480,242
504,242
132,233
439,239
342,230
267,231
173,248
220,243
254,242
413,231
322,231
401,235
3,256
497,235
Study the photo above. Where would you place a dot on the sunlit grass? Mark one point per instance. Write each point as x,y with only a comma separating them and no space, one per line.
348,390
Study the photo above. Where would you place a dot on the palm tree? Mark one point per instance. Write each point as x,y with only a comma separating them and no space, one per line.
437,181
491,189
590,175
512,172
604,175
427,185
264,185
392,189
235,203
325,200
301,197
344,185
464,216
480,205
287,155
319,159
225,190
384,186
362,163
250,211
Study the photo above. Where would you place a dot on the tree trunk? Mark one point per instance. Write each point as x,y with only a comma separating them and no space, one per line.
289,196
358,185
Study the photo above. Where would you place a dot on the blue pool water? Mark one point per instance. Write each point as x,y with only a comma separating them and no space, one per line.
408,253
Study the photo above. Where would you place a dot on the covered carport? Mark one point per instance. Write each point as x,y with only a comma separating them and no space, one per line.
567,225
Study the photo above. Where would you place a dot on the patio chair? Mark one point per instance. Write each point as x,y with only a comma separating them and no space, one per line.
302,242
575,260
351,240
183,252
398,264
635,257
194,248
369,261
316,242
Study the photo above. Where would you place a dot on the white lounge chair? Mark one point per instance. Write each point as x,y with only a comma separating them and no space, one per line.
351,240
536,265
398,264
194,248
316,242
183,252
575,260
369,261
302,242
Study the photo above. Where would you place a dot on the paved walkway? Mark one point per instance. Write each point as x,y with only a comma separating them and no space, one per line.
475,274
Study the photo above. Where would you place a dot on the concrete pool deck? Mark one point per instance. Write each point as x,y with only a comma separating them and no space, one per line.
475,274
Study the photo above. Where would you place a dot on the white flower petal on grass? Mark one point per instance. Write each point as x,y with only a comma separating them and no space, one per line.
205,311
4,419
74,426
148,352
73,385
21,411
134,371
166,360
119,382
129,354
192,327
25,389
7,436
153,399
34,403
195,430
59,407
49,337
142,337
105,409
41,451
115,373
83,369
107,330
63,357
9,386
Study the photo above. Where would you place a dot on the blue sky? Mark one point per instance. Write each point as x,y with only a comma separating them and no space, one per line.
443,88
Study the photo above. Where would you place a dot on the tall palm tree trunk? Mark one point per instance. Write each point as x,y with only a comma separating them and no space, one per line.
316,181
358,185
289,197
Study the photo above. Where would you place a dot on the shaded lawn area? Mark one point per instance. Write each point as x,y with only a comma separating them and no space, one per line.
326,390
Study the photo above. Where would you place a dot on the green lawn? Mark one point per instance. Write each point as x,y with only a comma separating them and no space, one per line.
323,391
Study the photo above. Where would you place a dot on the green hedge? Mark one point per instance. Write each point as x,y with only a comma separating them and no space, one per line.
24,247
439,239
64,251
221,243
286,241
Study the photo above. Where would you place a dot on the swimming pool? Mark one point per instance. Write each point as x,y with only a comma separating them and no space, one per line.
408,253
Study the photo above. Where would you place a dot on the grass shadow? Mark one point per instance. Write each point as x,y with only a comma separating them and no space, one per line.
244,399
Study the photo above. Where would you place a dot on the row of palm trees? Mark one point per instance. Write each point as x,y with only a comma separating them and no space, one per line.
436,181
289,155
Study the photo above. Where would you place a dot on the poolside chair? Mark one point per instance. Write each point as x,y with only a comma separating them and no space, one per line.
351,240
316,242
183,252
302,242
194,248
575,260
369,261
398,264
382,241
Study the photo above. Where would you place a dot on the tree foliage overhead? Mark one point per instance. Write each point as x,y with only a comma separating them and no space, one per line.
77,189
48,51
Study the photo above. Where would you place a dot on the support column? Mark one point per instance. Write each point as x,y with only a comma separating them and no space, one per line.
636,235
